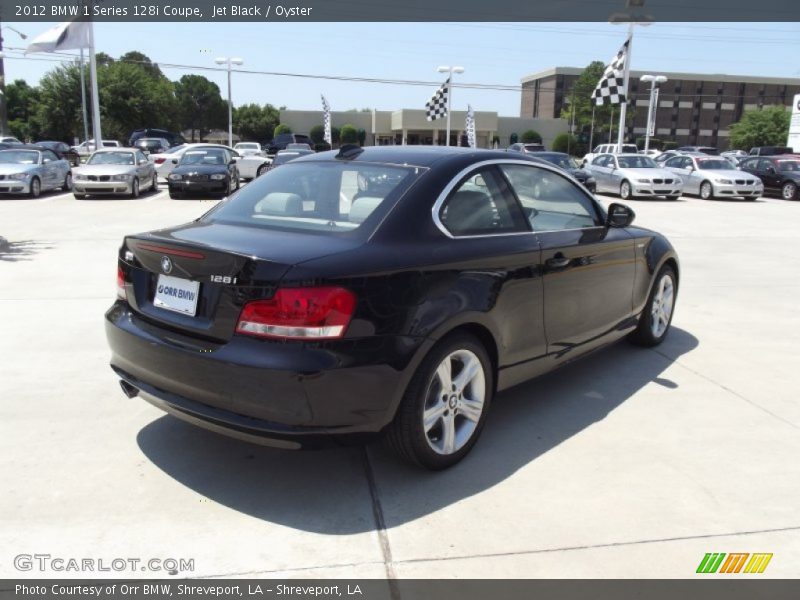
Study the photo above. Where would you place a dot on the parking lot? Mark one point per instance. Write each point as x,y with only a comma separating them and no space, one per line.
630,463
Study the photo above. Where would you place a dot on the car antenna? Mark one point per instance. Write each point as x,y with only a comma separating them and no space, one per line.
349,151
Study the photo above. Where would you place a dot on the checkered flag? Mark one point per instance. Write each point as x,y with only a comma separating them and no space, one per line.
611,88
326,120
437,106
470,126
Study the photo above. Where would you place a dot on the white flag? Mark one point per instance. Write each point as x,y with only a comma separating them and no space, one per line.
326,121
470,126
71,35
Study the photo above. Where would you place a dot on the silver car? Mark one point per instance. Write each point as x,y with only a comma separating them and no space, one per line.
115,171
714,177
30,171
632,175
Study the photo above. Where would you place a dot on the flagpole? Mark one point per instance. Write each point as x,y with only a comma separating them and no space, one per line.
98,134
449,99
83,101
624,105
591,130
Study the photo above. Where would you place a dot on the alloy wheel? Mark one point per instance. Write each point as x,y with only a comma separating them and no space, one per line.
625,190
706,191
789,191
454,402
661,309
36,187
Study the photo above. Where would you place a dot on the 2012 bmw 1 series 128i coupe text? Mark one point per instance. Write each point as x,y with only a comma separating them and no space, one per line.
389,290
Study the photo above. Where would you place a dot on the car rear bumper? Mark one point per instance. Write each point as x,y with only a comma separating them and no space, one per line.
284,394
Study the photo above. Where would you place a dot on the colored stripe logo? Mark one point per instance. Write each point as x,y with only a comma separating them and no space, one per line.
735,562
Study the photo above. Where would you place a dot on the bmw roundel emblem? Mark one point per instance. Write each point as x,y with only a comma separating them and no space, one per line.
166,264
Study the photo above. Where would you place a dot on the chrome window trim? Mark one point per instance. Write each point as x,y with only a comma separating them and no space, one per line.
437,206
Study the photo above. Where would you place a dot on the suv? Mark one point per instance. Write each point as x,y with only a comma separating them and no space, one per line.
770,150
608,149
284,139
174,139
150,145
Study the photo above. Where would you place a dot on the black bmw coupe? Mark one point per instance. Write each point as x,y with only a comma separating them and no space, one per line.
204,171
384,290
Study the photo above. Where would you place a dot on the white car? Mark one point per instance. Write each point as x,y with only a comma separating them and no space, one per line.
608,149
249,148
632,175
714,177
166,161
86,148
252,165
9,140
650,152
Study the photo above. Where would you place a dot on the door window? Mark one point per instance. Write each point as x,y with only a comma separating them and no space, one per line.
550,201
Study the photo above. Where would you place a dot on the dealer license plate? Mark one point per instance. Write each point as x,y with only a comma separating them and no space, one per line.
176,294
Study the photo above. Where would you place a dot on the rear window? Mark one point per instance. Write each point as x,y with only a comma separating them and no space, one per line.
329,197
789,165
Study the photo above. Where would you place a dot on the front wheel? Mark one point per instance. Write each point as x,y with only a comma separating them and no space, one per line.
706,190
444,407
36,188
673,197
625,190
154,183
789,191
135,188
656,317
67,183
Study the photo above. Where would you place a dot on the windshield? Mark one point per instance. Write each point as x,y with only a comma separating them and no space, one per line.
789,165
636,162
330,197
565,162
714,163
111,158
175,149
25,157
211,156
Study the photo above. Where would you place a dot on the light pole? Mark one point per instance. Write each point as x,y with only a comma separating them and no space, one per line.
653,80
230,62
3,103
450,70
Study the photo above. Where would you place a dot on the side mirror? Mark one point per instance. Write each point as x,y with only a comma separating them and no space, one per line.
690,168
235,158
144,161
619,215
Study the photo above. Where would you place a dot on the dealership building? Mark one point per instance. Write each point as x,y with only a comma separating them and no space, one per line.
693,109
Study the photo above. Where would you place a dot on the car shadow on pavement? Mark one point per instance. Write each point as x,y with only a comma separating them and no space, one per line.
322,491
21,250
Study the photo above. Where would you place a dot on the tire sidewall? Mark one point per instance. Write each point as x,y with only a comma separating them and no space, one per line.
622,194
135,188
710,190
789,185
68,182
646,320
35,190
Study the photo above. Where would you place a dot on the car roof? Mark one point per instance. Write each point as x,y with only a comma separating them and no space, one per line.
116,149
421,156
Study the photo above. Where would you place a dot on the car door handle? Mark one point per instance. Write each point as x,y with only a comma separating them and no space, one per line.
559,261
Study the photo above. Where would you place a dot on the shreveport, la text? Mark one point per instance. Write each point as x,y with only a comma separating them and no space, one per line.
183,589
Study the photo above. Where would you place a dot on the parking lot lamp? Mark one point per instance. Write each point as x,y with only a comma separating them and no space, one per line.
653,80
230,62
450,70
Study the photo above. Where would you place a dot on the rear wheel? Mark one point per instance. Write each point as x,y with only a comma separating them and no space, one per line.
175,195
444,407
36,188
656,317
261,170
789,191
625,190
706,190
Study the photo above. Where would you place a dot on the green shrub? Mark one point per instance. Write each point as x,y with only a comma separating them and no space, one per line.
565,142
349,134
669,145
531,136
282,128
317,134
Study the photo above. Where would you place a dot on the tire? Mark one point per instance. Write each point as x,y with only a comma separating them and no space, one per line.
625,190
706,190
154,184
79,196
261,170
651,332
67,183
36,188
789,191
449,434
175,195
238,183
134,188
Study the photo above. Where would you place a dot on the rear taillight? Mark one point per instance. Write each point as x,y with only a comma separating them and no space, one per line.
159,161
121,294
299,313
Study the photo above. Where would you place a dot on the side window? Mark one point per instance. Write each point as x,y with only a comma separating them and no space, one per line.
48,156
600,161
749,164
675,163
550,201
139,156
482,204
763,164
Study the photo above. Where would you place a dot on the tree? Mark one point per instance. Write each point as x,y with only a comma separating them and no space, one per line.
335,135
513,138
22,101
349,134
199,104
565,142
58,112
362,137
282,128
254,122
766,127
531,136
137,58
317,134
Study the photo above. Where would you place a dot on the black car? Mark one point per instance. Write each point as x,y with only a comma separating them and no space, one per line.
284,139
385,290
566,162
174,139
778,173
205,171
62,150
281,158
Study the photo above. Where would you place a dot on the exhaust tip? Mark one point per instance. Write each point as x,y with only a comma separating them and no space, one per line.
127,389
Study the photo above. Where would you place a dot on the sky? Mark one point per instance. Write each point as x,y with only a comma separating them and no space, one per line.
491,53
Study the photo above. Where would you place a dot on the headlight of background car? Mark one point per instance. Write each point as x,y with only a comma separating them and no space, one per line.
217,176
725,181
123,177
175,176
18,176
643,180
